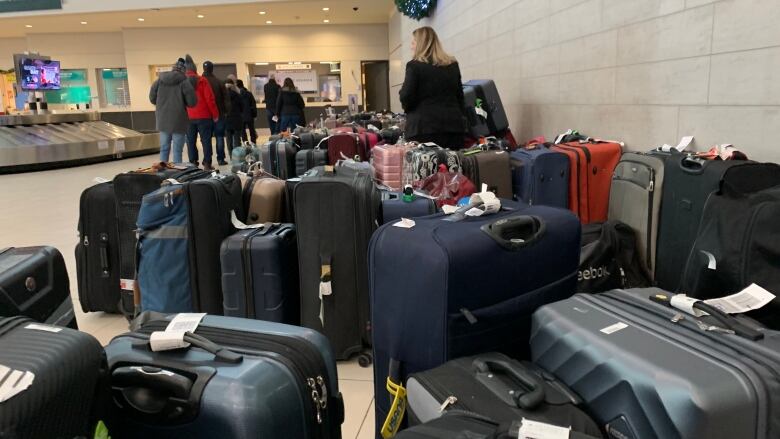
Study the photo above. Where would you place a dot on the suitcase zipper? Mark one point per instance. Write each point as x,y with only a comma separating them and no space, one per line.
746,244
247,269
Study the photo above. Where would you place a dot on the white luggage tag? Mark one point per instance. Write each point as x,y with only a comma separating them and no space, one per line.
239,225
173,336
751,298
490,203
529,429
326,288
13,382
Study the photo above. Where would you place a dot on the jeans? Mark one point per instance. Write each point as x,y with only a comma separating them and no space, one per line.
219,134
205,128
165,146
274,126
249,125
233,139
289,122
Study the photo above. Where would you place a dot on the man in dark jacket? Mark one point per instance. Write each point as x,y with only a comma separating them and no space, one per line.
172,94
250,111
223,105
202,116
271,91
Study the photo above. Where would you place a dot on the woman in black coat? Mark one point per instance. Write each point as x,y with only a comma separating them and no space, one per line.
289,106
432,94
234,123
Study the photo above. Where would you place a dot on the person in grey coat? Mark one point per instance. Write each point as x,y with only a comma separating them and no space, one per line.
171,93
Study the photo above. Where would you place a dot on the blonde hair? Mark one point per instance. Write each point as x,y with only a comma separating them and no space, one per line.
429,48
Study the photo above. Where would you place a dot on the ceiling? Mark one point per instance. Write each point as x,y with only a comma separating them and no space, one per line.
287,12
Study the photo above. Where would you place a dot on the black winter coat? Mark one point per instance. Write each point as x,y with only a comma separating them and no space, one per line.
290,103
249,105
235,117
271,92
220,94
432,97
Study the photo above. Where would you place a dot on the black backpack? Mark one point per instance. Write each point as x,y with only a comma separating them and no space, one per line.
609,259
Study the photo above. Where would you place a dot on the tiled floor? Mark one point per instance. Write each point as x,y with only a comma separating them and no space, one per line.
42,208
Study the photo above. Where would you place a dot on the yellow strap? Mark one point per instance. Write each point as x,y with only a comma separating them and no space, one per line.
397,410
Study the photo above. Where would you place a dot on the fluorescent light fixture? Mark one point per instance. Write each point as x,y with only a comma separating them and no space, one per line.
269,22
83,22
326,21
201,16
106,70
28,25
326,9
141,19
261,63
296,62
262,12
327,62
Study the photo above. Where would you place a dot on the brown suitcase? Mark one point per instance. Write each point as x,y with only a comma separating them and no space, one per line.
264,198
490,167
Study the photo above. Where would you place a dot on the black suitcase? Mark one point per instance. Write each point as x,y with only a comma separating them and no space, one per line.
34,283
461,425
130,187
688,182
260,274
97,253
278,157
478,126
53,381
486,91
306,159
336,213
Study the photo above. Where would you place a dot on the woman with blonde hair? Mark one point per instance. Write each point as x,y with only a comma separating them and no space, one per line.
432,93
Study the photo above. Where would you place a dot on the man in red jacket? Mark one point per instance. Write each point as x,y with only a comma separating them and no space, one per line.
202,116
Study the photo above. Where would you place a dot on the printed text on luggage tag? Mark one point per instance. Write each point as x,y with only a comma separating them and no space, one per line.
752,297
539,430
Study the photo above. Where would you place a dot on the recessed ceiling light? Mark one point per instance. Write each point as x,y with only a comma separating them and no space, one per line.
83,22
28,25
141,19
326,21
268,22
326,9
201,16
262,12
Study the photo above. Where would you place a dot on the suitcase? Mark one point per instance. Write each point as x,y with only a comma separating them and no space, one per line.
239,379
635,199
310,139
478,124
344,146
260,274
34,283
469,426
263,198
423,161
306,159
591,168
278,157
97,253
336,213
130,187
687,184
490,168
186,220
66,374
243,156
739,231
394,207
540,176
643,376
487,92
496,387
388,163
463,313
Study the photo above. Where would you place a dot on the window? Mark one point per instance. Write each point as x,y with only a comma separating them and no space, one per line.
74,88
318,81
113,87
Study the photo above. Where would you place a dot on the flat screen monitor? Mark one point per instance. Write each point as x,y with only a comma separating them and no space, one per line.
39,74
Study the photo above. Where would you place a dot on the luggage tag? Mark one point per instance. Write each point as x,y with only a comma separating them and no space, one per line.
173,336
13,382
405,223
529,429
490,203
326,288
751,298
241,226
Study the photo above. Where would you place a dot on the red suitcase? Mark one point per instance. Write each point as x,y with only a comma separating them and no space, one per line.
344,146
592,165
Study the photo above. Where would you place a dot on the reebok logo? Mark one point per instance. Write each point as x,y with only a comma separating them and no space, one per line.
593,273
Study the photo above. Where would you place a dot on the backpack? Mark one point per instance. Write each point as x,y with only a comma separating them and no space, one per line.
609,259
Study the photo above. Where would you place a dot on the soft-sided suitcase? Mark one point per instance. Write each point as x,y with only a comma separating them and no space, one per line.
443,289
34,283
461,425
310,139
260,274
490,168
540,176
643,376
240,379
306,159
635,199
394,207
591,168
496,387
423,161
278,157
129,188
343,146
97,253
487,92
476,115
688,182
52,381
336,213
263,198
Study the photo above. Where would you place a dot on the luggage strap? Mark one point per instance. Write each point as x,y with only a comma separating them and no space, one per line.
397,391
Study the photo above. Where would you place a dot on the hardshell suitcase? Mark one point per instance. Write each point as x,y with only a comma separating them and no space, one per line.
336,213
635,199
488,167
688,182
263,198
34,283
278,157
344,146
460,425
53,381
306,159
496,387
487,92
643,376
540,176
394,207
239,379
591,168
97,253
428,306
260,274
388,163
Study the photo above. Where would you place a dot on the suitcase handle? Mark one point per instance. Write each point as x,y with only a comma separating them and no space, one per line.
220,353
530,396
517,232
692,165
129,379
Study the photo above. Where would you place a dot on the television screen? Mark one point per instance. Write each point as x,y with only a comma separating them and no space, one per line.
39,74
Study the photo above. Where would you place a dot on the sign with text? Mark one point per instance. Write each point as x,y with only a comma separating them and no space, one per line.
305,80
293,67
29,5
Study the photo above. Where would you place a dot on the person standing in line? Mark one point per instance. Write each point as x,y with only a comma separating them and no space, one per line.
432,93
235,117
250,112
223,103
289,106
202,116
271,91
171,94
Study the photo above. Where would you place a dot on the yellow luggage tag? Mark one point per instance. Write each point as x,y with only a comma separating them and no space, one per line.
397,409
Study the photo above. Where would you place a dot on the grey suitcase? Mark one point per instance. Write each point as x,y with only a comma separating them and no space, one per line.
644,377
635,199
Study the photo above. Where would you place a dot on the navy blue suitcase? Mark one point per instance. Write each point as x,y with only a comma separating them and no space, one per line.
444,289
394,207
260,274
541,176
239,379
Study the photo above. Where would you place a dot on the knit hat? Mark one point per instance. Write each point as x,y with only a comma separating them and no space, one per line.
179,66
190,64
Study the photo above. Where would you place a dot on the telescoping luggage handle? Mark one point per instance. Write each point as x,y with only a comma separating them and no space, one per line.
529,397
516,232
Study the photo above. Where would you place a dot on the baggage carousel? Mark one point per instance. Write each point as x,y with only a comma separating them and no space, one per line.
34,142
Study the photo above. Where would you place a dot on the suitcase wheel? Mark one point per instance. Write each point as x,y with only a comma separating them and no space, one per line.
365,359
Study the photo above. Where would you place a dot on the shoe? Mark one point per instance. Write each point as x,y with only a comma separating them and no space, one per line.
196,163
222,163
208,167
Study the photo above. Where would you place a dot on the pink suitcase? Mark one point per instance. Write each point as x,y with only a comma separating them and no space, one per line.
389,164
